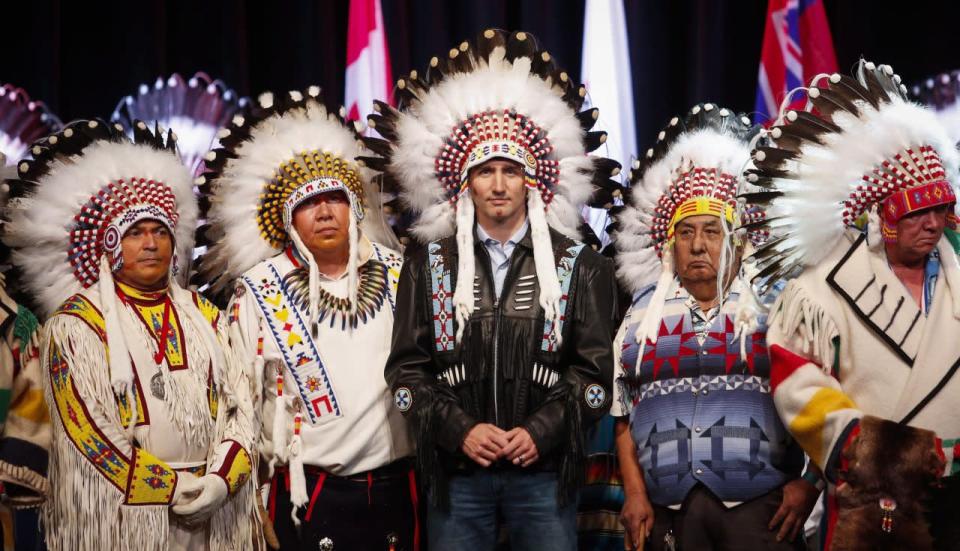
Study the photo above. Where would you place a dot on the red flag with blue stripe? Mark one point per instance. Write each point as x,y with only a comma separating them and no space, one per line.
796,46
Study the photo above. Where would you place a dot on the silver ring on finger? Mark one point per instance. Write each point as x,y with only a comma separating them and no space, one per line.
521,459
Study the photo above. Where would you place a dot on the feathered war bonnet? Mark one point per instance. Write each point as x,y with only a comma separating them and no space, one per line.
287,149
941,93
693,169
859,150
71,205
194,108
22,121
499,97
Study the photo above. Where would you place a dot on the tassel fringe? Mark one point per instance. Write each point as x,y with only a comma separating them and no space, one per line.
797,313
546,265
466,263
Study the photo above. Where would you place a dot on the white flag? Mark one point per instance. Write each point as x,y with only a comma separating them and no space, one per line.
368,63
606,73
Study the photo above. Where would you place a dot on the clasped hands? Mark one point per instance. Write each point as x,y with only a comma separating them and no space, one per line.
196,499
486,443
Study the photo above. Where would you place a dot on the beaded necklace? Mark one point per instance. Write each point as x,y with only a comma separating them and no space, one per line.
371,293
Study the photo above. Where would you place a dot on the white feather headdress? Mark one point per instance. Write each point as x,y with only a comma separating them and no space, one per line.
22,121
857,151
195,109
285,150
70,208
85,185
499,97
692,169
700,155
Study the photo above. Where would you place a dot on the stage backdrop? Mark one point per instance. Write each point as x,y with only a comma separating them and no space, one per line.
81,57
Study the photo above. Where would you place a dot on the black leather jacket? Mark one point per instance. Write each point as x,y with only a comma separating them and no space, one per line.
504,371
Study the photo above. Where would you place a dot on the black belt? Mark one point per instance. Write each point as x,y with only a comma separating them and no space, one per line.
397,469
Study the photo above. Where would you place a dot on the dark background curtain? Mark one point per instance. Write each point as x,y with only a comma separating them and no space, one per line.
82,57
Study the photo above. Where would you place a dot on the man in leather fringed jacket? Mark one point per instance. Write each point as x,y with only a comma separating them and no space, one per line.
504,407
502,339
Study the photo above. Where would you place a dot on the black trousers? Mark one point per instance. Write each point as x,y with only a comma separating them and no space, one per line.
367,511
944,514
703,523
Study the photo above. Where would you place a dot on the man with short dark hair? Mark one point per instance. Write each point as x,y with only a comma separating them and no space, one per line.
502,344
506,444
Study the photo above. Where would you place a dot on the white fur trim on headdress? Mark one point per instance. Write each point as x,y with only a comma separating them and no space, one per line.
649,326
544,261
121,369
874,235
746,320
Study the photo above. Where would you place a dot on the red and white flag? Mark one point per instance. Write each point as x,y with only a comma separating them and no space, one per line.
368,62
796,46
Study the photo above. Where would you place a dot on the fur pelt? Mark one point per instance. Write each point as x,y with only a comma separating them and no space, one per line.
886,460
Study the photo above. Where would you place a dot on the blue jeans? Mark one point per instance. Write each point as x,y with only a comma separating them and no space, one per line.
525,501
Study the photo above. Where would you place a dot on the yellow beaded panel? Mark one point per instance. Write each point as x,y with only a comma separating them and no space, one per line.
144,480
152,481
236,468
143,416
175,345
81,307
79,426
209,310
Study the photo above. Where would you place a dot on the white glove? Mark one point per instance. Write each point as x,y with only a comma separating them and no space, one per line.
187,489
212,493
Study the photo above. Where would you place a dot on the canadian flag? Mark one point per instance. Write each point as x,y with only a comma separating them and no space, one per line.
368,63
